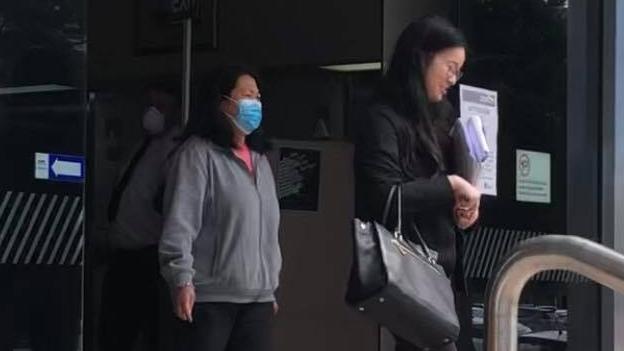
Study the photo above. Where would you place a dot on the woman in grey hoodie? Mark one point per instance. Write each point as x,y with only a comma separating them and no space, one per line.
219,250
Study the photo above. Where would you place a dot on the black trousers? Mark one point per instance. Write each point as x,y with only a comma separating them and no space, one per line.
227,327
135,303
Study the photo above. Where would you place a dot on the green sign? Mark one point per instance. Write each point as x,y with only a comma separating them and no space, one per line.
533,176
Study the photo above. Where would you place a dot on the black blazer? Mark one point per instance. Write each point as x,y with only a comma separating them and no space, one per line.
428,199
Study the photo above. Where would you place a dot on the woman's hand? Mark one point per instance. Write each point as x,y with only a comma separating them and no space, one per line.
466,218
467,201
275,308
467,197
185,299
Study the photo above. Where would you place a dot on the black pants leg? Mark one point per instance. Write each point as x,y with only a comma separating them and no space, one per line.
210,330
252,330
464,312
227,327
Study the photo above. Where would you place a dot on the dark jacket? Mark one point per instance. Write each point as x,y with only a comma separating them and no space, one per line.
428,199
427,195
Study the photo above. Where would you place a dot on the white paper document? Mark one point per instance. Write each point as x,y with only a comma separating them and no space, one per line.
483,103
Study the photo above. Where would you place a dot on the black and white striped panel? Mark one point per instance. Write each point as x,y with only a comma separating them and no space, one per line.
43,229
487,247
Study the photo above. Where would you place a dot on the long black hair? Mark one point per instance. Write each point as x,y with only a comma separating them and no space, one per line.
403,85
208,121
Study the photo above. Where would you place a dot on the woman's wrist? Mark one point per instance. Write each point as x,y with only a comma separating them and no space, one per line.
454,181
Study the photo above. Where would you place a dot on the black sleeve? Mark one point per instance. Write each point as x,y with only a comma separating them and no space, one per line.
377,168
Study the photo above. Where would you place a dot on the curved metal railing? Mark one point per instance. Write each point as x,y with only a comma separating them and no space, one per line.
550,252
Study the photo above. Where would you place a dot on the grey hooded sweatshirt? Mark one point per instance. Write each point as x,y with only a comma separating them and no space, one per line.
221,225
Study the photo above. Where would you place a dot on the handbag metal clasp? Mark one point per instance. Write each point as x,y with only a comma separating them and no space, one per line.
403,250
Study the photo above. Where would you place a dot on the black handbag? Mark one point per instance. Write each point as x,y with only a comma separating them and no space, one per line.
399,284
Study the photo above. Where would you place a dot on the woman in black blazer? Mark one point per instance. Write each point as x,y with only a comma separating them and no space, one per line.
405,139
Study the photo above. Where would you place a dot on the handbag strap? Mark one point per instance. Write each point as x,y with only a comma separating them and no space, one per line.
386,211
397,188
423,243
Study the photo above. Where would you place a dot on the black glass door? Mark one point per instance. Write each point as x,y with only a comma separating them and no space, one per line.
42,112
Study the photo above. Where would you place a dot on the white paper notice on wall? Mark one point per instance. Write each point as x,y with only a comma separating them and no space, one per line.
483,103
533,176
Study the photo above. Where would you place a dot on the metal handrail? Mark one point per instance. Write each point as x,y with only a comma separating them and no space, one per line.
549,252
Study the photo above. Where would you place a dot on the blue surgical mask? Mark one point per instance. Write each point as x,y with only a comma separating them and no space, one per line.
249,115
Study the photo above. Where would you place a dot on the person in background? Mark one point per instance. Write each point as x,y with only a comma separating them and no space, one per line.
134,299
405,140
219,249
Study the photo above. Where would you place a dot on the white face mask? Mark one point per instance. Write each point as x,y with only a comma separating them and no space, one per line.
153,121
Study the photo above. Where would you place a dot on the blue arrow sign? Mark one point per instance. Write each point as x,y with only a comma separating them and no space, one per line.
59,168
